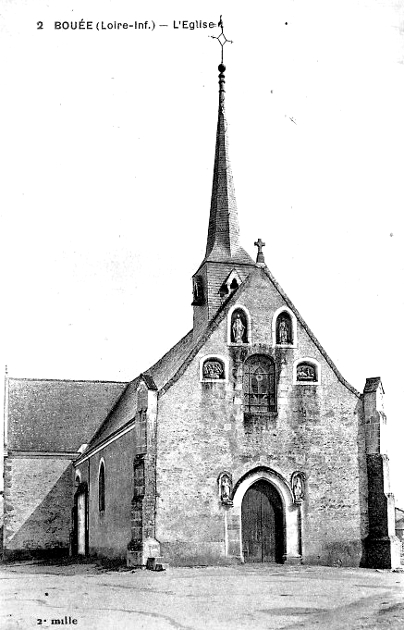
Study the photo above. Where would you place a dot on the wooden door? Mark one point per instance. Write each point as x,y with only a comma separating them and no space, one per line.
261,521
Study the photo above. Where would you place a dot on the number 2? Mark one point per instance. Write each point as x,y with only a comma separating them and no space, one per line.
39,26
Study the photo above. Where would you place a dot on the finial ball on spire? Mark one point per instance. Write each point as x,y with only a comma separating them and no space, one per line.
221,67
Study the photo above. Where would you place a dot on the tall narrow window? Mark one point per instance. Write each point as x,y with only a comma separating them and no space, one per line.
101,488
259,386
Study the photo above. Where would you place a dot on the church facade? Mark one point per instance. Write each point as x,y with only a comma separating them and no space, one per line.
244,443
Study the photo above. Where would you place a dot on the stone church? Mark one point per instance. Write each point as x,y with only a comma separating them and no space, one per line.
243,443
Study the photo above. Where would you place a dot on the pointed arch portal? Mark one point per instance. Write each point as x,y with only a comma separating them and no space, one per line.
263,524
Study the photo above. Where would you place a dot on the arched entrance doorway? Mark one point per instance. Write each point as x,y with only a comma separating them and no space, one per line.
262,523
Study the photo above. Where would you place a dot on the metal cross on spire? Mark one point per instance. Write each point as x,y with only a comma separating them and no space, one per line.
222,39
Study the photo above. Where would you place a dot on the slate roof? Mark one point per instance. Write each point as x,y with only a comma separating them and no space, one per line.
57,415
121,413
166,367
224,232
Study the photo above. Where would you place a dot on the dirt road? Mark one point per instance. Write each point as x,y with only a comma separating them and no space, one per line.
211,598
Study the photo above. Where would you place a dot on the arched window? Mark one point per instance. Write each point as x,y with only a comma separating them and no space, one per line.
101,488
259,387
284,329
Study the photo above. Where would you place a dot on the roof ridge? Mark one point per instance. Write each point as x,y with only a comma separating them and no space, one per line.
151,368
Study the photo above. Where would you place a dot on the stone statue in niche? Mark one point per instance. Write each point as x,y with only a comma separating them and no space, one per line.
239,355
198,291
306,372
238,332
225,488
298,487
213,368
284,332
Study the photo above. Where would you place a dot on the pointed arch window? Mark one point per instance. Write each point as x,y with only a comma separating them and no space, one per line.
101,488
259,386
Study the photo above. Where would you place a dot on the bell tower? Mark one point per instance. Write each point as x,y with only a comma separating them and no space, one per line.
226,264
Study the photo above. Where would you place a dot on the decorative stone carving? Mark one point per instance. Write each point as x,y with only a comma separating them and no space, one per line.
283,332
298,488
213,369
225,488
239,355
306,372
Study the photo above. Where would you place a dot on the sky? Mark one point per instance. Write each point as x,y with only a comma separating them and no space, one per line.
107,146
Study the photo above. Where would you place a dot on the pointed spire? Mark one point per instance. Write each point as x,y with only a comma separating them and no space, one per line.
223,234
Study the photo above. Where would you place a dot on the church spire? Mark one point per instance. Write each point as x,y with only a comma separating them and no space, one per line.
223,234
225,265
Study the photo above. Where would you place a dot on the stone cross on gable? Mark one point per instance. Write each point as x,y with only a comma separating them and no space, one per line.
260,255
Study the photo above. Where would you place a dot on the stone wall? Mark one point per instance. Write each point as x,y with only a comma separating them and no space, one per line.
112,531
318,429
37,505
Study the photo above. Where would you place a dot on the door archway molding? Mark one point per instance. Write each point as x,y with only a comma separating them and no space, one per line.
234,545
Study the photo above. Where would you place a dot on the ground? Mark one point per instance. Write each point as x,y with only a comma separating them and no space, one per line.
200,598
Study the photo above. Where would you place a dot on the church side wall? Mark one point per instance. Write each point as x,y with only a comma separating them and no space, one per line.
37,506
110,530
317,430
115,529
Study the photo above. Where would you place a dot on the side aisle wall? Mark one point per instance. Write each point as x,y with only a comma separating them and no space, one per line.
128,515
109,530
37,505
